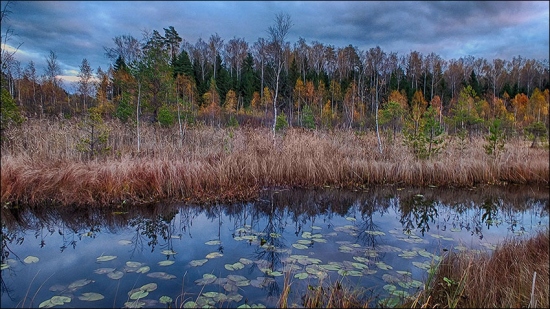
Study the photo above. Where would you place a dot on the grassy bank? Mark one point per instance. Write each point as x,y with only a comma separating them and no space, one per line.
502,279
43,162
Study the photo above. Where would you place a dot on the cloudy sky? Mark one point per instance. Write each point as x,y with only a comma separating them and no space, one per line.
81,29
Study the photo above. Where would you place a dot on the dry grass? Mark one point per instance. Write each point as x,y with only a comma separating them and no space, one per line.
40,163
503,279
331,295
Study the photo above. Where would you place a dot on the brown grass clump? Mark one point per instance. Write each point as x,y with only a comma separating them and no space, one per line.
41,163
503,279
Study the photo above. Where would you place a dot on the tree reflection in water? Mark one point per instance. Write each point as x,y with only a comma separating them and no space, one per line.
157,226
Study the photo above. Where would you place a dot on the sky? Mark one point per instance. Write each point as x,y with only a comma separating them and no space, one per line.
75,30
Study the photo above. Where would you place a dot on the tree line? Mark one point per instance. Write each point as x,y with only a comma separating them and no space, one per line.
164,79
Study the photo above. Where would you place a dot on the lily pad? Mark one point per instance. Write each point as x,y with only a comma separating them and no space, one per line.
139,294
46,304
375,233
124,242
165,299
355,273
383,266
213,255
31,259
105,258
79,283
195,263
206,279
168,252
213,242
234,297
4,266
161,275
299,246
90,296
133,264
245,261
301,275
102,271
134,304
143,269
166,263
235,266
149,287
115,275
60,300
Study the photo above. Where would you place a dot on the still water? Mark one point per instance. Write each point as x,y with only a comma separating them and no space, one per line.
380,240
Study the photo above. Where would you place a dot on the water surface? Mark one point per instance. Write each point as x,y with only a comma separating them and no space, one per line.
381,240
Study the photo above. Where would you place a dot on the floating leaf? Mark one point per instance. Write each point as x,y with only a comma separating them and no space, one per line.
149,287
344,272
134,304
245,261
165,299
133,264
46,304
161,275
139,294
213,255
301,275
383,266
299,246
195,263
213,242
425,265
235,266
424,253
304,241
330,267
351,219
58,288
206,279
166,263
124,242
390,287
102,271
60,300
143,269
31,259
274,235
236,278
234,297
361,259
79,283
375,233
168,252
313,227
115,275
360,266
190,304
90,296
4,266
105,258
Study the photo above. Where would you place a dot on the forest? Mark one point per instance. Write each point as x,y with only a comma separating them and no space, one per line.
166,80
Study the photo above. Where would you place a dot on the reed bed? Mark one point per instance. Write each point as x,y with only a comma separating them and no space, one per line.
504,279
41,163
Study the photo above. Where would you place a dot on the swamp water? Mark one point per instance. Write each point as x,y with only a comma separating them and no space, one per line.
381,241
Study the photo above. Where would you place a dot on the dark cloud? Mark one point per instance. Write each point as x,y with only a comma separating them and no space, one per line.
451,29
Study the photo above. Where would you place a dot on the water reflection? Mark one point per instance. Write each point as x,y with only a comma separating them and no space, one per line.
330,225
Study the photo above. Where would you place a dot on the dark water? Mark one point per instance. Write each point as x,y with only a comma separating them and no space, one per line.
381,241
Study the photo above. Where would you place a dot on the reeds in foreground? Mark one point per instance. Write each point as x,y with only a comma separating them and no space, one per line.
503,279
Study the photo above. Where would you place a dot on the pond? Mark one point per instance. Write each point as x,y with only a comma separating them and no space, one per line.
381,241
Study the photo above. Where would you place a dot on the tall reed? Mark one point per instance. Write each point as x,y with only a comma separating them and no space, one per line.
41,163
503,279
